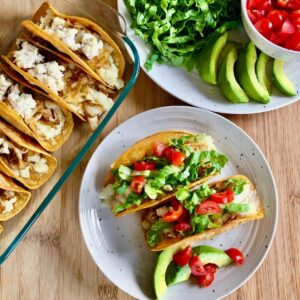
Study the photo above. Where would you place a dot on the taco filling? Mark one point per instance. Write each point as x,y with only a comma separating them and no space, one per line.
80,93
194,212
21,161
85,43
7,200
183,161
44,117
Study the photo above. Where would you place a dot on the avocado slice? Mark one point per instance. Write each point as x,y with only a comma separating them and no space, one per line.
227,81
261,71
281,81
212,255
247,77
208,58
227,48
176,274
163,261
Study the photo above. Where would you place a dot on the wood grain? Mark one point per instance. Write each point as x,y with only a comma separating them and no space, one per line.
52,261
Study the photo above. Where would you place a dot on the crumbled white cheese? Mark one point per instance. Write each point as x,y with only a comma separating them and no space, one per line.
51,74
24,173
23,104
46,19
248,196
99,98
49,131
4,149
8,204
91,44
66,35
39,163
27,56
5,84
110,75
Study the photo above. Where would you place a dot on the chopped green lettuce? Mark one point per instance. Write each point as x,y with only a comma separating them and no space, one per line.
199,223
132,199
237,185
154,234
124,173
236,207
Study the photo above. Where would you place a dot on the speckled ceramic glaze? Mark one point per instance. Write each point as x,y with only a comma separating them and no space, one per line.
264,44
188,86
117,244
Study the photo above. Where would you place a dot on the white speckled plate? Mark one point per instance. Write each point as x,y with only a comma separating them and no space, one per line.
117,244
188,86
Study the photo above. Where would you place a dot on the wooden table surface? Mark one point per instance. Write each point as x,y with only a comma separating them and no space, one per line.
52,261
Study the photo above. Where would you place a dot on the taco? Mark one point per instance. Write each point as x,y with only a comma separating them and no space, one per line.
23,159
150,171
83,41
202,213
64,82
12,198
32,112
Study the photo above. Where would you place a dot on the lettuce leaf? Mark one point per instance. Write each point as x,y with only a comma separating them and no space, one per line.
154,234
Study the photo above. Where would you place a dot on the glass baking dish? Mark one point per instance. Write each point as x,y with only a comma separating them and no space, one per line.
82,138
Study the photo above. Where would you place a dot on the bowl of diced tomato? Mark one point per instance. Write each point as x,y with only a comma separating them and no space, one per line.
274,26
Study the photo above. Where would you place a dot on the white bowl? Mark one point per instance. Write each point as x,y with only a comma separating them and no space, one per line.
264,44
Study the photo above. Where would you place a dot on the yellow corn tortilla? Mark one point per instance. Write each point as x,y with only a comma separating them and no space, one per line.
23,197
136,153
11,116
209,233
60,46
33,182
66,101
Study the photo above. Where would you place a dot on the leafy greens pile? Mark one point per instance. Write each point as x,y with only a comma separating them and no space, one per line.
178,29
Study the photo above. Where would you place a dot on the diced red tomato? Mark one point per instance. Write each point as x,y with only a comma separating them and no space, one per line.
265,5
278,38
277,17
223,197
296,23
137,184
182,227
183,257
282,3
143,165
287,27
196,266
168,152
206,279
175,211
294,15
211,268
208,207
292,4
185,217
177,158
293,42
236,255
252,4
159,148
264,26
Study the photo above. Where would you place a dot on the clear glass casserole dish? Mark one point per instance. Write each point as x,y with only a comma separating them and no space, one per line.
82,138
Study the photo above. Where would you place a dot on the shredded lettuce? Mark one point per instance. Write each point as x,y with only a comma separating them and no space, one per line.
237,185
177,30
199,223
154,234
234,208
132,199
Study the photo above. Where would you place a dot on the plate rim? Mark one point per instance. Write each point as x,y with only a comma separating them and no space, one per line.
269,170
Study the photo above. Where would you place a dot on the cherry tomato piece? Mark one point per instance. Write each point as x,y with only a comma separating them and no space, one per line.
185,217
223,197
293,42
264,26
177,158
137,184
183,257
277,17
143,165
211,268
206,279
168,152
208,207
196,266
236,255
159,148
182,226
175,211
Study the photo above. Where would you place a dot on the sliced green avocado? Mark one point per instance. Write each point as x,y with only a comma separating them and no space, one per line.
211,255
208,58
176,274
227,81
282,83
247,77
227,48
261,71
163,261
